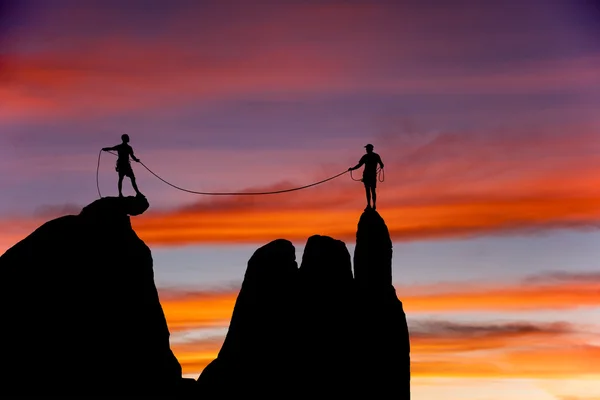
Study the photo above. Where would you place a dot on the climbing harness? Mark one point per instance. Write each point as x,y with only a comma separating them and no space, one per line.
225,193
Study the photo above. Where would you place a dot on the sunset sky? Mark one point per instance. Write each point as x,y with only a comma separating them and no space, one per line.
485,114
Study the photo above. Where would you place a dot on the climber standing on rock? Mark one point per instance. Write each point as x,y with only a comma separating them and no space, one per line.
370,160
123,166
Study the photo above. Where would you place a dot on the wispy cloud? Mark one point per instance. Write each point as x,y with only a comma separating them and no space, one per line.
198,309
555,291
501,350
266,51
446,349
195,355
66,85
529,363
440,337
563,291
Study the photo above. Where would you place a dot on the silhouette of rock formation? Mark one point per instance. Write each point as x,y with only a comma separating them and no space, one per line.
78,298
383,331
373,253
317,330
325,323
256,348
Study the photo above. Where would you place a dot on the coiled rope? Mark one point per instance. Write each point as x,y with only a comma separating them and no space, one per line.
218,193
379,172
97,171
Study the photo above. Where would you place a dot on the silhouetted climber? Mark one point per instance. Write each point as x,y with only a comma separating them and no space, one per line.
370,161
123,164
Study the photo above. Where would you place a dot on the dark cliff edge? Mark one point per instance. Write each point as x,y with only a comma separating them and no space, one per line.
78,301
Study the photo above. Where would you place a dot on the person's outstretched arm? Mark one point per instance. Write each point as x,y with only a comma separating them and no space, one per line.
133,156
360,163
109,148
380,162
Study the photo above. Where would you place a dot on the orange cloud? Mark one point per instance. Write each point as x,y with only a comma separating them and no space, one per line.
502,351
334,211
210,309
453,184
474,351
525,297
441,337
552,363
199,310
195,355
442,349
467,217
432,210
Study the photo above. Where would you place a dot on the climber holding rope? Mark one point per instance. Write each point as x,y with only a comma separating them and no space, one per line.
123,166
370,160
124,151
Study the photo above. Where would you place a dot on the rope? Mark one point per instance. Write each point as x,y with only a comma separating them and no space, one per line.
221,193
98,169
379,172
243,193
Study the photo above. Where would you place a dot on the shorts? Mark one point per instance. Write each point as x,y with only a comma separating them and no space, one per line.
124,169
370,181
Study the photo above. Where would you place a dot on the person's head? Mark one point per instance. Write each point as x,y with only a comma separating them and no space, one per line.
125,138
369,148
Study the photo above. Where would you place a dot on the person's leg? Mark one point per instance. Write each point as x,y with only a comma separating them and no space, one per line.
134,184
120,185
374,195
368,192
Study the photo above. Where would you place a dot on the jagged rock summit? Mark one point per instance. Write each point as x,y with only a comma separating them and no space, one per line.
373,252
111,207
317,329
385,355
78,299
